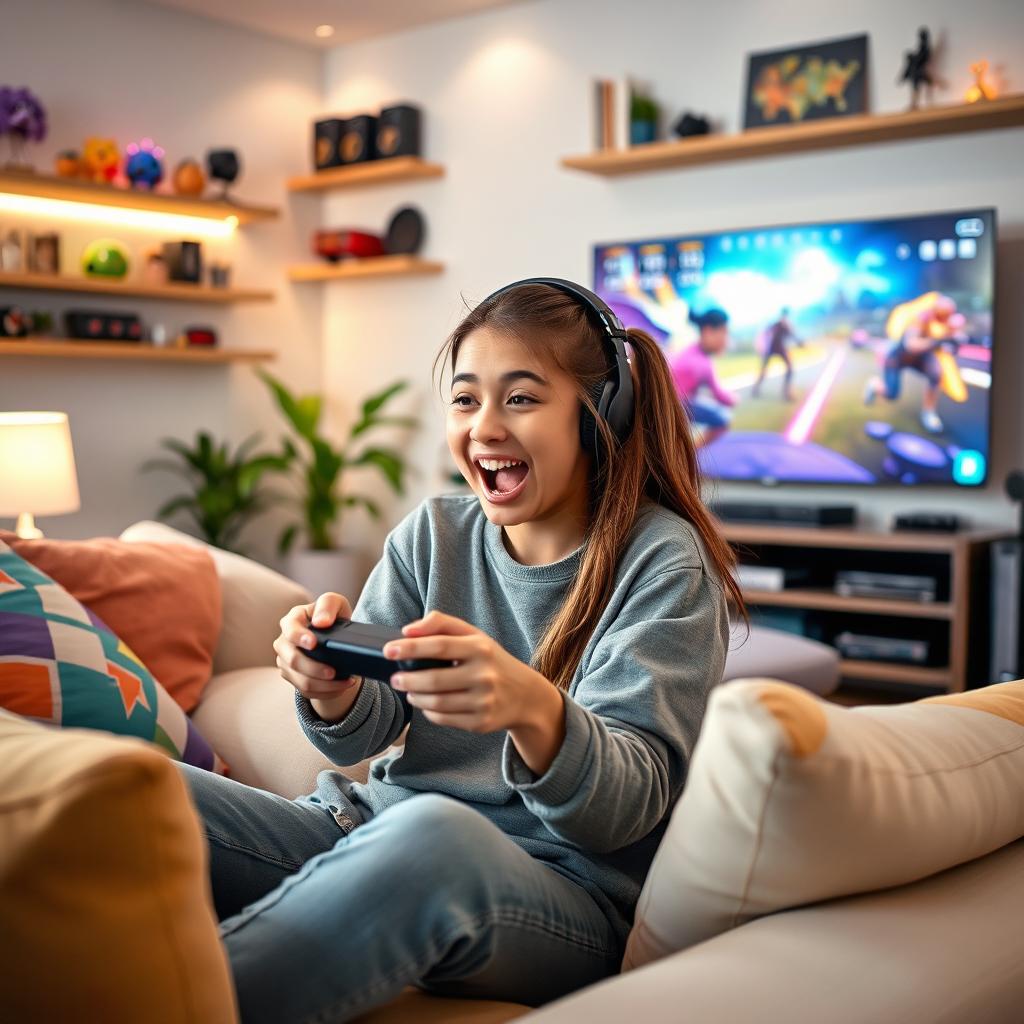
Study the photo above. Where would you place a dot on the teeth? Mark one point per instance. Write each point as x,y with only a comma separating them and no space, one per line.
493,464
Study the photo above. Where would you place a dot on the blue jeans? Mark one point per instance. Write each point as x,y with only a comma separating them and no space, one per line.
321,924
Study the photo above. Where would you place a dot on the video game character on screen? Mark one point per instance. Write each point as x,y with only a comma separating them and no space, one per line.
694,374
776,338
921,328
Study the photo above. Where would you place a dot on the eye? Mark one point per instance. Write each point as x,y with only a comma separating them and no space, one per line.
458,400
522,400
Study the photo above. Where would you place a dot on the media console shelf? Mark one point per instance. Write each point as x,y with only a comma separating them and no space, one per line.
956,624
827,133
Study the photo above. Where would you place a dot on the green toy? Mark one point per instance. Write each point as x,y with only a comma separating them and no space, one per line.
105,258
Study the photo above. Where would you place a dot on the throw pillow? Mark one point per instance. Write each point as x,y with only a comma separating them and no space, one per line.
162,600
791,800
59,663
103,884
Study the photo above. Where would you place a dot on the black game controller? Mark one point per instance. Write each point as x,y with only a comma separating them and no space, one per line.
357,649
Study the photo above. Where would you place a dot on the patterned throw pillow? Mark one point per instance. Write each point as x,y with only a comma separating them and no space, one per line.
60,664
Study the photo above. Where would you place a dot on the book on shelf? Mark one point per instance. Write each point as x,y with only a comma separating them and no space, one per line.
771,577
613,99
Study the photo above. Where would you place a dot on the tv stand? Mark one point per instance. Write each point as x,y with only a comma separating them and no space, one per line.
955,623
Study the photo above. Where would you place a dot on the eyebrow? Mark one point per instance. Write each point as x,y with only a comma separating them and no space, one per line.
506,378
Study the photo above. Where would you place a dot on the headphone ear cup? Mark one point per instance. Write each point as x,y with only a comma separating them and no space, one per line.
589,435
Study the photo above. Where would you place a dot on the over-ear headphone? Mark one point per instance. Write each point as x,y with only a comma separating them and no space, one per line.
612,396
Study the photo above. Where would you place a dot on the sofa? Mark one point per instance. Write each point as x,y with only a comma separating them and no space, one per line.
946,947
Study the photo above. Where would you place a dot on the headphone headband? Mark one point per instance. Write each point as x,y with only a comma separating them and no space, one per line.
614,397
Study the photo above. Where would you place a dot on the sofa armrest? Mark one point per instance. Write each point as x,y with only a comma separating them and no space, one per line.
254,599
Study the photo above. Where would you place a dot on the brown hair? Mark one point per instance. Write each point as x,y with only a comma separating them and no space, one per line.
657,461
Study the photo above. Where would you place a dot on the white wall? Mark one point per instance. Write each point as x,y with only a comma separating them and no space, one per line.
128,70
507,93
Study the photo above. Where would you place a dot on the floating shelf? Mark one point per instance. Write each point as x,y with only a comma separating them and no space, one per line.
130,350
860,129
827,600
130,289
48,186
370,266
372,172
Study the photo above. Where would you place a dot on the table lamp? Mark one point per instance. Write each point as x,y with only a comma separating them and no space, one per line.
37,468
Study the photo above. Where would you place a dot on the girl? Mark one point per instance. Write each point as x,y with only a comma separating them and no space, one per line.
583,592
692,371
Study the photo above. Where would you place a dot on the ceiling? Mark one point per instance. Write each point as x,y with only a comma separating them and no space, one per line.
351,19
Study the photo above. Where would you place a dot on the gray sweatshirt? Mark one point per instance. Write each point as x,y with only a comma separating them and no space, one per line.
632,712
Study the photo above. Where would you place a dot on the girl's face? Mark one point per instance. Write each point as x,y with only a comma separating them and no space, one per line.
508,407
714,339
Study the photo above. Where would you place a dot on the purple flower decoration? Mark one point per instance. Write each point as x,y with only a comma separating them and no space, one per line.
22,117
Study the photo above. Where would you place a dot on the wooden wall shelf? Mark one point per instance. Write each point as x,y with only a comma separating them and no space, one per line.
48,186
133,289
130,350
373,172
375,266
861,129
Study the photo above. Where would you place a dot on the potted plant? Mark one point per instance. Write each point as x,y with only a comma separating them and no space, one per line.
643,119
321,564
226,492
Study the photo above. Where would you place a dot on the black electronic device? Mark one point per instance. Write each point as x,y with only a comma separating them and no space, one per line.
359,139
357,649
327,142
398,131
784,514
88,324
612,397
405,232
929,522
184,261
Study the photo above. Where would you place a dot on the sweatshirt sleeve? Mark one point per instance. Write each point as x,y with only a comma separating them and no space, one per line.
391,597
632,723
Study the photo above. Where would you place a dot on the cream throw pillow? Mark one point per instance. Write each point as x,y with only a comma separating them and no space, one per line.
791,800
105,913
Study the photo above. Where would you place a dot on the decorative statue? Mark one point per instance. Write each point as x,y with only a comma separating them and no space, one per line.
917,67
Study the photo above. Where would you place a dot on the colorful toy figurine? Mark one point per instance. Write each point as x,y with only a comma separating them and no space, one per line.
189,179
105,258
981,90
68,164
101,158
142,166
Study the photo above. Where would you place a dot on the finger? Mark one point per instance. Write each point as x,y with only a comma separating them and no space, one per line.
438,622
452,648
436,680
459,702
309,688
328,607
291,657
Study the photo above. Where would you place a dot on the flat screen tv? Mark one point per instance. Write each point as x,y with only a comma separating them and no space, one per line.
846,352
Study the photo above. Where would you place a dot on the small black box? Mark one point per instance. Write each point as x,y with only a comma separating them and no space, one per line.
786,515
359,139
327,143
184,261
86,324
398,131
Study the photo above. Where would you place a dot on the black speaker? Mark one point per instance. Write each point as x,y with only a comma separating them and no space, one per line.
398,131
327,143
359,139
89,324
184,261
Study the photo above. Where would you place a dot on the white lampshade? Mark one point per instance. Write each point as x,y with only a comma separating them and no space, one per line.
37,464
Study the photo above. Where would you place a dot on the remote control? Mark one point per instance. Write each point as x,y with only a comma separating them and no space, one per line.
357,649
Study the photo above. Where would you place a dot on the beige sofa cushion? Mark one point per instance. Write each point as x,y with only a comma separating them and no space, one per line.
791,800
106,914
254,599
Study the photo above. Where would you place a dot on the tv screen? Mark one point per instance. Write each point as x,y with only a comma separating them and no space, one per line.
848,352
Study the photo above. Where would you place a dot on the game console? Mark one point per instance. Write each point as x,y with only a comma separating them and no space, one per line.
785,515
862,647
357,649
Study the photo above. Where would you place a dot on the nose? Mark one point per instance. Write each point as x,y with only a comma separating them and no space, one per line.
488,423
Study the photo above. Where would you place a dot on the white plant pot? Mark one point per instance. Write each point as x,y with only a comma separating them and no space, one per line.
340,571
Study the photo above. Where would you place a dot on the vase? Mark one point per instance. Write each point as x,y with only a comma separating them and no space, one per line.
339,570
641,132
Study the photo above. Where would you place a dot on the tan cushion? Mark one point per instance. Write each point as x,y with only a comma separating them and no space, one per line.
104,893
791,800
164,602
254,599
416,1007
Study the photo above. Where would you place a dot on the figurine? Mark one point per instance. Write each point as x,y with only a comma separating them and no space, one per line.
917,67
142,165
691,124
105,258
223,165
981,90
189,179
69,164
22,119
100,157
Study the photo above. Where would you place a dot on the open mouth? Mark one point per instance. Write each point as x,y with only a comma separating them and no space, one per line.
503,479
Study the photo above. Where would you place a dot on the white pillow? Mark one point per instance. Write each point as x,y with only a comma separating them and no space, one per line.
791,800
254,597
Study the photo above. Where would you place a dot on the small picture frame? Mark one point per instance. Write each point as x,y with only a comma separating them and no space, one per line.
808,82
43,253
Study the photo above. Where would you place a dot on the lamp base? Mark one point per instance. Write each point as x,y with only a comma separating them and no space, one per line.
26,527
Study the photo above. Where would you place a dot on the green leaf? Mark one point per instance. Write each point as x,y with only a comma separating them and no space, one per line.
382,421
358,499
388,461
302,413
168,509
287,539
374,402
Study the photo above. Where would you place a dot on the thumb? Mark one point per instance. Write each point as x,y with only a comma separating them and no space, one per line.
328,608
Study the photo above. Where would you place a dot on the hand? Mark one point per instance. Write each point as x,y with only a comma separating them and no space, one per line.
331,698
487,690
